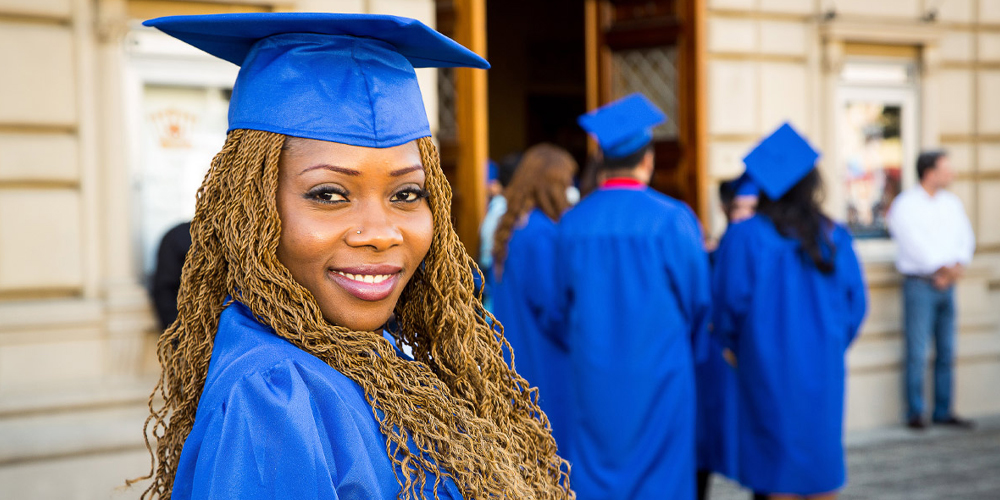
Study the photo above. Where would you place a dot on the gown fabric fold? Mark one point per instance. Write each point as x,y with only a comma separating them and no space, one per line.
789,326
717,413
524,302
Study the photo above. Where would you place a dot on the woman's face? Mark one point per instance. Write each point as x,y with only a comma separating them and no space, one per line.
355,224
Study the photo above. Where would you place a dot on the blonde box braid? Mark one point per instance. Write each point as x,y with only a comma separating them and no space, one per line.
470,415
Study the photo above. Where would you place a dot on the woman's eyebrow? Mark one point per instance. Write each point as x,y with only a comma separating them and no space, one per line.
343,170
406,170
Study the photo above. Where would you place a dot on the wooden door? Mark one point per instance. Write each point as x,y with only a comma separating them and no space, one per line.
654,47
463,136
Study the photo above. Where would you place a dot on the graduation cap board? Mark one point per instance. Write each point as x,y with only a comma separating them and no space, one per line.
344,78
780,161
624,126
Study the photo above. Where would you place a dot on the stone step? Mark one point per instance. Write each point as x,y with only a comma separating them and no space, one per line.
82,396
50,433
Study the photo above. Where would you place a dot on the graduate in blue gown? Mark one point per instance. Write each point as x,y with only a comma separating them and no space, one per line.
714,373
789,300
331,447
633,277
524,290
487,229
325,220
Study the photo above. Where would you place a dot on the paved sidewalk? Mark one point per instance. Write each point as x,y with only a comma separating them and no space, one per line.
897,464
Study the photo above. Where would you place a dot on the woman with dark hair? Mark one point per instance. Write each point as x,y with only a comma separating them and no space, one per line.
326,214
789,299
523,262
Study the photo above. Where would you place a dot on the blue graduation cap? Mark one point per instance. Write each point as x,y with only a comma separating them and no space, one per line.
745,186
492,170
780,161
623,126
345,78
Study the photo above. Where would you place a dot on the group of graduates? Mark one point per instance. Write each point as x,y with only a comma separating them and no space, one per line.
657,361
322,246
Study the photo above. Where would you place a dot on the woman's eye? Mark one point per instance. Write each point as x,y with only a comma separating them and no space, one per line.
409,195
327,195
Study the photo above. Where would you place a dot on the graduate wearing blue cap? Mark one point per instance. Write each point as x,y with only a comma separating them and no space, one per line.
321,246
633,278
715,375
789,298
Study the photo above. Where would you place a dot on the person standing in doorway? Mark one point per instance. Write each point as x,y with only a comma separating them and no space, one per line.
166,281
495,210
935,244
633,287
524,258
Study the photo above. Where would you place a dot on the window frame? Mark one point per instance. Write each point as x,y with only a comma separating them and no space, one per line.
904,94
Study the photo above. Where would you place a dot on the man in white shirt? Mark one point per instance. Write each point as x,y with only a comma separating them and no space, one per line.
935,244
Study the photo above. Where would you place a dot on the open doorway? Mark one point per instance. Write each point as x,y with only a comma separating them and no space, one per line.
537,83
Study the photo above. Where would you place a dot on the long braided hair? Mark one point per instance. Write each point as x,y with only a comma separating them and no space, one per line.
798,214
469,415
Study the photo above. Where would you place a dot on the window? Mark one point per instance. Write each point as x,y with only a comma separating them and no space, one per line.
876,140
177,100
183,128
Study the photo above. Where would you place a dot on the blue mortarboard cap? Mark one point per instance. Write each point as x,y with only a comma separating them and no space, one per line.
623,126
745,186
780,161
492,170
344,78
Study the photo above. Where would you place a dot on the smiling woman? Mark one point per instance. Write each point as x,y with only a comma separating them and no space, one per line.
356,225
325,214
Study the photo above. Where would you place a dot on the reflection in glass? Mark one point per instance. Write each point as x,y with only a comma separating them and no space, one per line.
873,152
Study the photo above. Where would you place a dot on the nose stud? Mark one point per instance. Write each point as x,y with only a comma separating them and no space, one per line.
359,231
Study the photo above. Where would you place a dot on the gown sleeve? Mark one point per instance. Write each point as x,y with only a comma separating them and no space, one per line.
857,299
687,264
268,440
562,295
731,285
544,298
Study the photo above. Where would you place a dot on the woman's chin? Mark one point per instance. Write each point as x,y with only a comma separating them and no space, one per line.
361,323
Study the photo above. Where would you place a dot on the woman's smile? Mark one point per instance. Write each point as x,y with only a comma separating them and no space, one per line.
368,282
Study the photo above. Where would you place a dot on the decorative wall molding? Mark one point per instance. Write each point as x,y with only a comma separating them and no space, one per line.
836,33
882,32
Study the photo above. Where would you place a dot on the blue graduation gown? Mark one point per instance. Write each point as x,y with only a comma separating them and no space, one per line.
276,422
716,412
789,326
524,302
634,276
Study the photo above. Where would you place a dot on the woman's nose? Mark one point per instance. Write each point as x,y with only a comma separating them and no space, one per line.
375,229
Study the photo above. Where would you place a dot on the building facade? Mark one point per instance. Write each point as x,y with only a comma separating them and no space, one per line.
871,84
106,128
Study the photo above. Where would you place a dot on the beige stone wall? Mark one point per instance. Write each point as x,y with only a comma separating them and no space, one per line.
771,61
77,336
49,287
